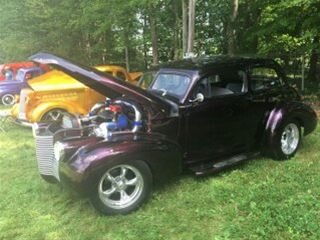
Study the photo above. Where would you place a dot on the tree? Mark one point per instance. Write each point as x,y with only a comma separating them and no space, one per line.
192,6
154,37
231,29
184,26
138,33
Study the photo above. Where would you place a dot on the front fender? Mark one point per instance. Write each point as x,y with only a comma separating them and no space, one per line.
13,90
163,156
298,111
40,110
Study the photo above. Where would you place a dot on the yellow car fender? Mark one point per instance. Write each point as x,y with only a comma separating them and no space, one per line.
15,111
43,108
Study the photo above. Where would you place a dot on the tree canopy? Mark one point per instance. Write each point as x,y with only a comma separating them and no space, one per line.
138,33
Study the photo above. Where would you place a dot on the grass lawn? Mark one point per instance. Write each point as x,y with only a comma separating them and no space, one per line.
260,199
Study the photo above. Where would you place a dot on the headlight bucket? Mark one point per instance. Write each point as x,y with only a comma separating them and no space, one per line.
58,150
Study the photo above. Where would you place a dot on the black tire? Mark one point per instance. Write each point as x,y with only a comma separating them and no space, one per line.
107,205
278,150
8,99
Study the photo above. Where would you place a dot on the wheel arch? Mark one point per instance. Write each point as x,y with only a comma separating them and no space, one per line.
43,108
163,157
297,111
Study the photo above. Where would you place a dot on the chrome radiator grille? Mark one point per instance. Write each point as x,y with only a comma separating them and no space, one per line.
47,164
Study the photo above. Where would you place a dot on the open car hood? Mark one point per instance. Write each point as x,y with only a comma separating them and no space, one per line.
106,84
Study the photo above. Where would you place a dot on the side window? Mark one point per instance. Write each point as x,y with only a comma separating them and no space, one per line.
224,82
263,78
109,72
121,75
146,80
36,74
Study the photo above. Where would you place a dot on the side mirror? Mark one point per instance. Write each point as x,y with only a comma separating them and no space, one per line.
199,98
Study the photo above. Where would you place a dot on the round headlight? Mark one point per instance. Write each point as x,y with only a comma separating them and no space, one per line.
67,121
58,150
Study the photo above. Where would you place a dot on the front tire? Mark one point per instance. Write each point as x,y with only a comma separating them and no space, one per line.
122,188
287,140
8,100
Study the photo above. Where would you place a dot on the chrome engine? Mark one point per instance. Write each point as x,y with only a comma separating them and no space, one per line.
105,119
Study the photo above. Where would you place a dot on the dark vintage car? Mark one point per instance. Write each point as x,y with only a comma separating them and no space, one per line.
201,114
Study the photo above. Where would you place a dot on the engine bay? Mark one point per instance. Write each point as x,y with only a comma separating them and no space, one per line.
106,118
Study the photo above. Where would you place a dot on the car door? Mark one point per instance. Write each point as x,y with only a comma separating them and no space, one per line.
216,127
266,90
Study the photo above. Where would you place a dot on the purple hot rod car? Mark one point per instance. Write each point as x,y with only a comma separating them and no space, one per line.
9,88
201,114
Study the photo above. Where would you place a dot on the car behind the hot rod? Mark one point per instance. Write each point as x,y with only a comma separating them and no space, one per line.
200,114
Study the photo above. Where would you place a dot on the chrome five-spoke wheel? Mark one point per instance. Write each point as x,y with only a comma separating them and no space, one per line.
53,115
290,139
121,186
287,140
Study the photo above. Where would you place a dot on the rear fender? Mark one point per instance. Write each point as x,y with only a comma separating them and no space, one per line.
163,156
297,111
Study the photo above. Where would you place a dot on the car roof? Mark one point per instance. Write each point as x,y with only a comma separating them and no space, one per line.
206,62
30,69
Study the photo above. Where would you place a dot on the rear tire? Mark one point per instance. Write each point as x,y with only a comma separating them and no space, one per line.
287,140
122,187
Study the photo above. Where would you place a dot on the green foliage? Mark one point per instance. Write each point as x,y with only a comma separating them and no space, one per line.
99,31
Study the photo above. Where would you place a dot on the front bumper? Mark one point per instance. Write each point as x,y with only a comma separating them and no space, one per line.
23,123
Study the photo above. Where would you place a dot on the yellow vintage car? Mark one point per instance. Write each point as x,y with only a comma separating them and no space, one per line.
56,93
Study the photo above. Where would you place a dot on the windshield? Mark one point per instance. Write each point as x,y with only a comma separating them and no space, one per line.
171,84
8,75
20,76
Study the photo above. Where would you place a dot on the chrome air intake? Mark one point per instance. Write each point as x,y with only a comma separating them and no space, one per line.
47,164
138,118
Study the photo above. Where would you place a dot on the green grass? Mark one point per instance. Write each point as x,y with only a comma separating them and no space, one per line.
260,199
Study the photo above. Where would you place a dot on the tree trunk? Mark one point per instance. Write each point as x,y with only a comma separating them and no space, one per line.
231,30
192,6
154,38
88,47
184,26
126,50
176,37
145,47
312,74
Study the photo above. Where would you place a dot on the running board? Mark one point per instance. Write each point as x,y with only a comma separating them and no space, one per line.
209,168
